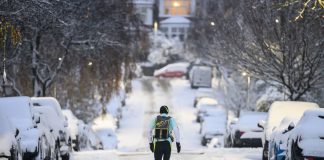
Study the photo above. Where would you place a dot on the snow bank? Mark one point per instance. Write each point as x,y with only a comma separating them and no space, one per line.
104,126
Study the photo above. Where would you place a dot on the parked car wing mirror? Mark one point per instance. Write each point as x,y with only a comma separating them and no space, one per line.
17,132
291,126
261,124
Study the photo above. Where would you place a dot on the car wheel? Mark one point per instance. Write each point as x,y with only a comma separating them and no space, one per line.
296,152
57,153
65,157
13,154
265,151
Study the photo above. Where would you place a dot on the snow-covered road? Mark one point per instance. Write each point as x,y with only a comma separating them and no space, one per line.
216,154
142,105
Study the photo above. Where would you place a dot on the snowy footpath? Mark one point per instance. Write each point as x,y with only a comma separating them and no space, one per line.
143,105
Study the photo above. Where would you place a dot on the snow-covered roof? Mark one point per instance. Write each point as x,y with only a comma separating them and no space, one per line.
176,19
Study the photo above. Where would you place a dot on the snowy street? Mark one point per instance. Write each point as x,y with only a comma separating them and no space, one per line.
143,104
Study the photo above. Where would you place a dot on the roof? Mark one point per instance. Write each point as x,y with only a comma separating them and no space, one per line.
176,19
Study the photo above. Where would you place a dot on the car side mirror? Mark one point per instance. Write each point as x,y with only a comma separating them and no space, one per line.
261,124
17,132
291,126
36,118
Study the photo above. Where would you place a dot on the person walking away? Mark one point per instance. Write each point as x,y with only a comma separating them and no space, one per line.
163,126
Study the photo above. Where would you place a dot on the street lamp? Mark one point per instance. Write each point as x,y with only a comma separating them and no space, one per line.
245,74
212,23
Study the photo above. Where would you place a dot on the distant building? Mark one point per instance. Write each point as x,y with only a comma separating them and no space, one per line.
174,17
176,26
145,9
169,8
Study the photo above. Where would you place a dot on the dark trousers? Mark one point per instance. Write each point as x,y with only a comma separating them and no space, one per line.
162,149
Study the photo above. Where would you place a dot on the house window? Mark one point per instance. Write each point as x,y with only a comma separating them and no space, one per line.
177,7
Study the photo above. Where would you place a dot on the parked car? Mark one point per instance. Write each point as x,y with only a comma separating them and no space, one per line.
246,133
306,142
18,111
207,110
50,126
75,128
93,140
105,126
175,70
65,139
279,138
279,110
203,92
214,127
206,101
201,76
9,140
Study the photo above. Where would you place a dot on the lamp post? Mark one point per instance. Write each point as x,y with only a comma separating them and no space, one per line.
245,74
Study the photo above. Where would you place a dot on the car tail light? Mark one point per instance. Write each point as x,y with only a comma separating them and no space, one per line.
309,158
241,133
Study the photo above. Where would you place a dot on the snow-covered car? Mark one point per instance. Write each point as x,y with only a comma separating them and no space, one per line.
206,101
214,127
93,140
203,92
306,142
207,110
279,138
175,70
278,111
76,130
105,126
9,140
65,139
246,133
50,126
18,111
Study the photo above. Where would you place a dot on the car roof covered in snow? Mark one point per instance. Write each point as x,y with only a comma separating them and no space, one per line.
207,101
280,109
18,110
49,102
179,66
312,123
214,125
249,120
50,118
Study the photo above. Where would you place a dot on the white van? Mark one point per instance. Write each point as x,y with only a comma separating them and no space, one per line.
201,76
278,111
